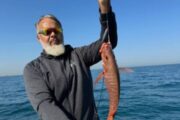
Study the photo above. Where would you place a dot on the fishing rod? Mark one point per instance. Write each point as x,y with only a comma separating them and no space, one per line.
105,36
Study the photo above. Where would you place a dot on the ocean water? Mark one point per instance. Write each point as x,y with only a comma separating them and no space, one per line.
148,93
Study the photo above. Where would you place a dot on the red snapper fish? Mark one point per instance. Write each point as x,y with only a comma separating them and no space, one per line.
111,78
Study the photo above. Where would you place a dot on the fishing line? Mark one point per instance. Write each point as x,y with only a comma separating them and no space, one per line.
107,23
101,93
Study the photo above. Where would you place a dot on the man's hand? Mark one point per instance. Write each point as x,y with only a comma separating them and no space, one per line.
104,5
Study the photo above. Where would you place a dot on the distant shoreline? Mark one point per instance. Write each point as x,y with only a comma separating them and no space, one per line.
126,69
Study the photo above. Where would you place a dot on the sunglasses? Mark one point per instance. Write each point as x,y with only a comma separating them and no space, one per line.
47,32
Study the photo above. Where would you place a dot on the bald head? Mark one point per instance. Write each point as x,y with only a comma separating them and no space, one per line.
50,16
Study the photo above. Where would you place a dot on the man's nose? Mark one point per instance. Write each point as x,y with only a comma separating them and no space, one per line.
52,34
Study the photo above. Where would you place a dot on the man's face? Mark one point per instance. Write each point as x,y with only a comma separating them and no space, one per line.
52,32
51,37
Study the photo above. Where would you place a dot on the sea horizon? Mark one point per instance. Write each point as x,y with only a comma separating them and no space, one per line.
11,75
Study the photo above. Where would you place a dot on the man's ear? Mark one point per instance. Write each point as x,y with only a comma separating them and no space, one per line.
38,38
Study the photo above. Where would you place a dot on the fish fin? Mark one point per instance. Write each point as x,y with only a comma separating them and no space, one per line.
99,77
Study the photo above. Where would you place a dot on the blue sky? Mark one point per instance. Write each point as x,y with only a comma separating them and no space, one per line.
148,30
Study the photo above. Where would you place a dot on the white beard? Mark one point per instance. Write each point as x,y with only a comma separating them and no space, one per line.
54,50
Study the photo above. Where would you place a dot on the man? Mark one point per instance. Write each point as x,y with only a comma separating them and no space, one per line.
59,82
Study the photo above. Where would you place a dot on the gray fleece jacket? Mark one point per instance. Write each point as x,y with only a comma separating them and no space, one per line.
60,88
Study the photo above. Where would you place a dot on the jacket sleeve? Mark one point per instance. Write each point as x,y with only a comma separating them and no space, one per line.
40,95
108,21
90,53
